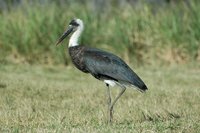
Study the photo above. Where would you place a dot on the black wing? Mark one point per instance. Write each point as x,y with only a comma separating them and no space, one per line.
104,65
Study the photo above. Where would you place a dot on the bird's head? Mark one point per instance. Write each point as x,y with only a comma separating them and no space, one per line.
74,25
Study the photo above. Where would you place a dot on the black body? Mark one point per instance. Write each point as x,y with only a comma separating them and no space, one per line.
103,65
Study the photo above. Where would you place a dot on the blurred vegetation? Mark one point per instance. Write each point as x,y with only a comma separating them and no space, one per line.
142,33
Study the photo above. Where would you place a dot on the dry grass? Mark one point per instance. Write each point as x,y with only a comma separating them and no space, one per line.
59,99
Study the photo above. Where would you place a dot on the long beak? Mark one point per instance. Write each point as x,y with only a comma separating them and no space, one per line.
65,34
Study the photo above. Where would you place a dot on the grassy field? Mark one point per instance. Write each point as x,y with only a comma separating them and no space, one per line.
39,94
61,99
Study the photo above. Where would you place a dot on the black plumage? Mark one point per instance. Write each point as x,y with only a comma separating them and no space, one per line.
104,65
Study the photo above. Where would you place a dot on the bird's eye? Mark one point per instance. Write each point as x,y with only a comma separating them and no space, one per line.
73,23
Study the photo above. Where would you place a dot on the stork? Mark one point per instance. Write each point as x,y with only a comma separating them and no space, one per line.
103,65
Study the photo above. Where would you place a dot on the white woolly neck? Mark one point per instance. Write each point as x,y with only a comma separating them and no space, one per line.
73,41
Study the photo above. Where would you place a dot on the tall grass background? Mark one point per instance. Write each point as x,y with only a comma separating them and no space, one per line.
138,34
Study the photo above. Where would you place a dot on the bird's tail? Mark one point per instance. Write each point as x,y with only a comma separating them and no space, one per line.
141,89
139,84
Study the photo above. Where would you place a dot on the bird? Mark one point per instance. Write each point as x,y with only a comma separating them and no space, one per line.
102,65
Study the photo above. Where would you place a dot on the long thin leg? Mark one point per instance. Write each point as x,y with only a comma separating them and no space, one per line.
118,96
109,101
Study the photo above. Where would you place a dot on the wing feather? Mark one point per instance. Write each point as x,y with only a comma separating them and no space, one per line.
104,65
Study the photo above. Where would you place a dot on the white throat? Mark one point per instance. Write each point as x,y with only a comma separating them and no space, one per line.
73,41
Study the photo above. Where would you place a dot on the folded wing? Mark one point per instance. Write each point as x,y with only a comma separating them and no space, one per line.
103,65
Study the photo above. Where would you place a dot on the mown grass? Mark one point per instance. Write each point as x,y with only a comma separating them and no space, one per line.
62,99
171,34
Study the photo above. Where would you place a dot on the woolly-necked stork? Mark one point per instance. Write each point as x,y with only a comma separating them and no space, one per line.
103,65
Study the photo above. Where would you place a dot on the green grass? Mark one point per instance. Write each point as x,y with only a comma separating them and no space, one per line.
62,99
28,33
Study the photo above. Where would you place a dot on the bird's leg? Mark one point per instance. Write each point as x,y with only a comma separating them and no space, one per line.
109,101
112,105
